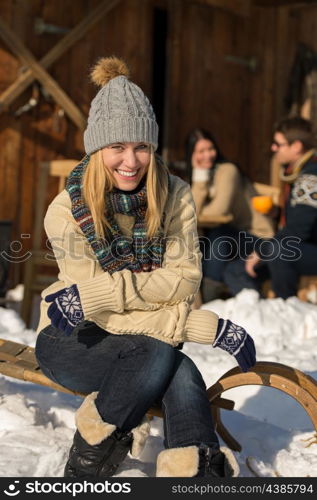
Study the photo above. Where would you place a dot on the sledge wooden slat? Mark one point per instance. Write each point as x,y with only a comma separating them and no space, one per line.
226,404
12,370
9,347
276,375
21,356
297,376
18,361
17,354
27,358
4,356
27,354
223,431
37,377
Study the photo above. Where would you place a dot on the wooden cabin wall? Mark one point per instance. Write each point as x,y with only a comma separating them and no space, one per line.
42,134
225,97
238,105
203,88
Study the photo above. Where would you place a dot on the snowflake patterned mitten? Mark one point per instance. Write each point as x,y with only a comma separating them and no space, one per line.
237,342
65,311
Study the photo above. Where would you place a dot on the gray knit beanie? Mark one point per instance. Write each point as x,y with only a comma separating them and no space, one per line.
120,112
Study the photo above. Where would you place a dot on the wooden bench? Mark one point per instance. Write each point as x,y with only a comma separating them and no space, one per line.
18,361
307,289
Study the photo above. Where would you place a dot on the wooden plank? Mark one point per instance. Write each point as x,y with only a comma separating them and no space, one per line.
182,115
12,370
223,431
11,348
25,367
283,45
226,404
290,3
262,38
27,77
62,167
173,74
40,206
41,74
28,355
4,356
215,220
300,386
237,7
271,368
144,61
10,140
276,375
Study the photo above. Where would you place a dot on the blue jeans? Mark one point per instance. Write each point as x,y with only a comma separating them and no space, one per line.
236,278
284,272
131,373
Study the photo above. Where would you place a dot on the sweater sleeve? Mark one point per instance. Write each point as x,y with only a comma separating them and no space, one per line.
176,281
200,193
199,187
226,184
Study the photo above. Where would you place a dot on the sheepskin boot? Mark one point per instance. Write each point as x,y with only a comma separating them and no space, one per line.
98,447
197,461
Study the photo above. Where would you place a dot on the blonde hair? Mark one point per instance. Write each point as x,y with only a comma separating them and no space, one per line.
98,180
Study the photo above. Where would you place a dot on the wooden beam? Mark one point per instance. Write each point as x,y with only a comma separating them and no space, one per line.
27,77
237,7
41,74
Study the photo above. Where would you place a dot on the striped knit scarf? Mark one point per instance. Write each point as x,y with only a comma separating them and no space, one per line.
117,252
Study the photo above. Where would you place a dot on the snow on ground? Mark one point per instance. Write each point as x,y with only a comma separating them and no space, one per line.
277,436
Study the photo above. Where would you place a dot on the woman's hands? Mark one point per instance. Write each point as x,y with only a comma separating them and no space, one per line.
65,311
236,341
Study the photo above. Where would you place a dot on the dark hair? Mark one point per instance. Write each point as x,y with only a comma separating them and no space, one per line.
297,128
193,137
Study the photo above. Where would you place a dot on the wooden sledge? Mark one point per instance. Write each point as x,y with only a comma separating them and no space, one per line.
18,361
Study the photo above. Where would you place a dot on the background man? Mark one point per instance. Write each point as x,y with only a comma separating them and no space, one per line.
293,250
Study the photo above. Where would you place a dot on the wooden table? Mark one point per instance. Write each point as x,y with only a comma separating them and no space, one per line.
213,220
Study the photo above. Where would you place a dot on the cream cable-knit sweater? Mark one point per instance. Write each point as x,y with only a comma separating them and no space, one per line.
158,303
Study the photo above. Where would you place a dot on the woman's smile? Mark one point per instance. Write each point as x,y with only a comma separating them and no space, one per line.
128,162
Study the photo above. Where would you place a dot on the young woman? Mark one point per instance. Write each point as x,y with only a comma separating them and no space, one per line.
219,188
124,236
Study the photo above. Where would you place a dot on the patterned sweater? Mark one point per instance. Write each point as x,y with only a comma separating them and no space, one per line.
300,212
156,303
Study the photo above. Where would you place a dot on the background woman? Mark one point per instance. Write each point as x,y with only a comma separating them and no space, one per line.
219,188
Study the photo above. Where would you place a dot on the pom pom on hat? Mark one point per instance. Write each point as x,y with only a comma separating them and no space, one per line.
108,68
120,112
